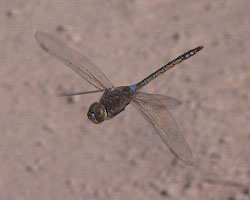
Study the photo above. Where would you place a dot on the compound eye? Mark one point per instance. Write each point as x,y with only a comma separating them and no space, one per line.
92,108
97,113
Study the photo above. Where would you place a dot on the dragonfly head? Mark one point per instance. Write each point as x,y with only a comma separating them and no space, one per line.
97,113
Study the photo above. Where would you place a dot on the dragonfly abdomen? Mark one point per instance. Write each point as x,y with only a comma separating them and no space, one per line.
168,66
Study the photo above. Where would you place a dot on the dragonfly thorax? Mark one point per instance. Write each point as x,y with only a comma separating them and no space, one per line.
97,113
116,99
112,102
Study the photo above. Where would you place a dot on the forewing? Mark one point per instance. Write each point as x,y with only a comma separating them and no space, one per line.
157,100
167,129
75,60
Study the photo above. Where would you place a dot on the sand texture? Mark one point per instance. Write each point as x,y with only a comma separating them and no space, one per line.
49,150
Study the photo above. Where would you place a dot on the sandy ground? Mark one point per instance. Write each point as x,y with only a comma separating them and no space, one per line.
50,150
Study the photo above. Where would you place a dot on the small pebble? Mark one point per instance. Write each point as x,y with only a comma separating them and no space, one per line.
60,28
176,36
164,193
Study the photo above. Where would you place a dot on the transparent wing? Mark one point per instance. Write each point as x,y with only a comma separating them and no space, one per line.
157,100
167,129
76,61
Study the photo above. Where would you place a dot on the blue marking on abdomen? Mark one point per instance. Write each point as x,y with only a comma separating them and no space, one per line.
133,87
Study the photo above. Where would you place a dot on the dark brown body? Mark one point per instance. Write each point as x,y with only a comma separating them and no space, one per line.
116,99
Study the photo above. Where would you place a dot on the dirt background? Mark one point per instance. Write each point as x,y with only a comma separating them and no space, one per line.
50,150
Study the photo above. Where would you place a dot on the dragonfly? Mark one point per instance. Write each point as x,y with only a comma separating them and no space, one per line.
153,107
